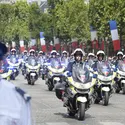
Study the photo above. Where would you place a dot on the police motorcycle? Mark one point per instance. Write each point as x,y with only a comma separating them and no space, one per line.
43,67
120,84
32,71
54,75
77,91
105,82
5,72
23,65
14,65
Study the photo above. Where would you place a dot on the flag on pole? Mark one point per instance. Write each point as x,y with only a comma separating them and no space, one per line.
33,44
74,43
94,38
22,48
43,42
13,44
57,44
114,34
51,46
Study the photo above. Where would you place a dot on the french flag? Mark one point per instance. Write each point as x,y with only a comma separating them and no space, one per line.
57,44
22,48
114,34
74,43
13,44
51,46
42,41
94,38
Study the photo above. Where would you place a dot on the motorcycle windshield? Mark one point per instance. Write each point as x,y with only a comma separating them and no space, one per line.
13,60
104,68
32,62
90,62
56,64
41,61
65,61
81,74
25,58
121,66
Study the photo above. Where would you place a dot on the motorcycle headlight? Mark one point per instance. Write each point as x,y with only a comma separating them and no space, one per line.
105,78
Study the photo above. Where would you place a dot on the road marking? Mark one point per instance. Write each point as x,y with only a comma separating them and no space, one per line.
111,123
57,123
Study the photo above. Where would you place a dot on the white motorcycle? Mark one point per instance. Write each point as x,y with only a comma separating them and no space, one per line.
14,65
105,83
120,77
32,71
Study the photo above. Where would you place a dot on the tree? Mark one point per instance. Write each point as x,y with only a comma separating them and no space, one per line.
6,20
72,19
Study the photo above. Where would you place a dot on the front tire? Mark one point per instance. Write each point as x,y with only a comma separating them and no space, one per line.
123,89
106,98
81,111
50,88
43,77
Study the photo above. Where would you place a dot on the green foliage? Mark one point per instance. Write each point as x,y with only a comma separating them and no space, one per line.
71,19
101,12
23,21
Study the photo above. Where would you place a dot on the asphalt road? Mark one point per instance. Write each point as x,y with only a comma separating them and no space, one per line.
48,110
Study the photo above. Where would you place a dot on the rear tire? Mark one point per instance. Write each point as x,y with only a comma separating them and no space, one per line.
117,90
50,88
123,89
81,111
43,77
70,113
97,101
13,77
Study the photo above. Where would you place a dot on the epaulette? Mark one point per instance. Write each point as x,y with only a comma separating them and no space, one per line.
23,94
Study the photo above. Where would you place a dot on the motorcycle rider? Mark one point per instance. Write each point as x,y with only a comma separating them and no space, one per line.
31,54
91,56
65,58
71,57
124,58
100,57
13,53
78,55
53,55
119,58
14,101
90,59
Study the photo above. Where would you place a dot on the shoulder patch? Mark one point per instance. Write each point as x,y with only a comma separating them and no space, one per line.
23,94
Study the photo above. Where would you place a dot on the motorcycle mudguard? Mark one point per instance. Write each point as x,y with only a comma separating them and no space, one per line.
81,99
123,81
56,79
33,74
106,89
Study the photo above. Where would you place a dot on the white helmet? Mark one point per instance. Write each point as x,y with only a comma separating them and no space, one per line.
64,52
79,50
100,52
91,54
13,50
32,50
40,52
25,51
53,51
120,53
123,56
